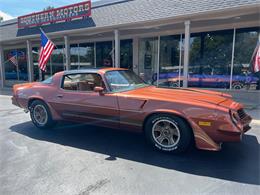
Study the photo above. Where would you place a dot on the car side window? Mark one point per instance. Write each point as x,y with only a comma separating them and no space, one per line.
82,82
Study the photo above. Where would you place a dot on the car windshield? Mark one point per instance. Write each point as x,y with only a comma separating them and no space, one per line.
123,80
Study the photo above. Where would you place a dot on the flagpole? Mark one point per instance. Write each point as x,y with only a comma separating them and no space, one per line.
6,61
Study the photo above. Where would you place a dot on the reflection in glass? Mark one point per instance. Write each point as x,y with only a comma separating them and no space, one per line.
104,54
74,56
17,71
148,59
243,76
36,71
169,61
210,59
57,59
86,55
126,54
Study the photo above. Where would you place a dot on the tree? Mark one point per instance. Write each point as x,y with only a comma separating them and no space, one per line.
1,18
48,8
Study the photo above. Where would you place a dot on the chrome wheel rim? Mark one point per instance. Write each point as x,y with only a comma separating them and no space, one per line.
166,133
40,114
237,86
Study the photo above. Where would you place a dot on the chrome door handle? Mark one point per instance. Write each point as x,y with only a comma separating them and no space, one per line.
60,96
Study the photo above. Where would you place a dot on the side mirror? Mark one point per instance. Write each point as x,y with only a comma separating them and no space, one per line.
99,90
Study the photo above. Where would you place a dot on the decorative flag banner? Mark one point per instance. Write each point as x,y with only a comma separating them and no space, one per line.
47,46
13,59
256,59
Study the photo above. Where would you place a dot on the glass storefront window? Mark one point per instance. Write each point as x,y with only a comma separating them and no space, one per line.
36,76
126,54
82,56
57,59
74,56
10,68
170,61
104,54
22,64
148,58
243,75
86,55
210,59
18,70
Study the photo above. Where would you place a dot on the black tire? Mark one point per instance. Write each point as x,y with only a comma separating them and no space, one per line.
49,122
185,133
237,85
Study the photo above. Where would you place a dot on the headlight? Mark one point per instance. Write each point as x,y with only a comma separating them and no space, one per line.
234,116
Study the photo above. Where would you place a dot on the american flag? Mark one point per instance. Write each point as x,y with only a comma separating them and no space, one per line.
13,59
256,59
47,47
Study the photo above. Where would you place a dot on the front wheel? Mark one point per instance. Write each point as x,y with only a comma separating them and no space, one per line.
168,133
40,115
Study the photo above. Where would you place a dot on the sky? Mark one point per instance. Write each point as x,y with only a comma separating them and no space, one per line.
14,8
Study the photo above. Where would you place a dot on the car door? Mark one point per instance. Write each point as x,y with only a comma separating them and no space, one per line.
131,112
76,100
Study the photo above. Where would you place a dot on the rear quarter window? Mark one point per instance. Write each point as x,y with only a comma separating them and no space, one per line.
48,80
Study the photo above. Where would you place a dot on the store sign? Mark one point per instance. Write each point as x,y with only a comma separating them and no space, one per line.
51,16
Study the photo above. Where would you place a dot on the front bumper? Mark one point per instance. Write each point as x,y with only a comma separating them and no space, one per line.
234,132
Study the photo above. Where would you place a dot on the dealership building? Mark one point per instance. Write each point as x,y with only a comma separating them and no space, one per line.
207,44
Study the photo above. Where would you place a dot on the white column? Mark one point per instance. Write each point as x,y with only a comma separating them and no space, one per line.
158,61
117,49
180,61
186,53
67,53
29,60
135,55
232,59
2,75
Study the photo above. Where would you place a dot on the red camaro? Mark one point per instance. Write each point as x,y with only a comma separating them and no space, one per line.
112,97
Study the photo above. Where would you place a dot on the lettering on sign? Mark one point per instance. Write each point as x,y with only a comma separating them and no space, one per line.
66,13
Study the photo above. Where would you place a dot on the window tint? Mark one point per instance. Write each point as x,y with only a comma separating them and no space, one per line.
82,82
47,81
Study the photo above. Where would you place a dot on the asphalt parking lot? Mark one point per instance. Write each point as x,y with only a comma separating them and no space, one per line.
79,159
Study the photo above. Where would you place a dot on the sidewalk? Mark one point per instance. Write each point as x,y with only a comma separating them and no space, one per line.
6,91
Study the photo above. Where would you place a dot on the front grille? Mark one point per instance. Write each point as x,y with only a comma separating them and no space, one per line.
241,113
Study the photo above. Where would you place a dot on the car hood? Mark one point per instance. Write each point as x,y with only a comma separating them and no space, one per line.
189,94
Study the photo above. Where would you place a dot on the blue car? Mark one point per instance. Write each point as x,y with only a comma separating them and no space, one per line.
207,81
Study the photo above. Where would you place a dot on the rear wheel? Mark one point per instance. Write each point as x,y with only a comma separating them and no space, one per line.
40,115
168,133
237,85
